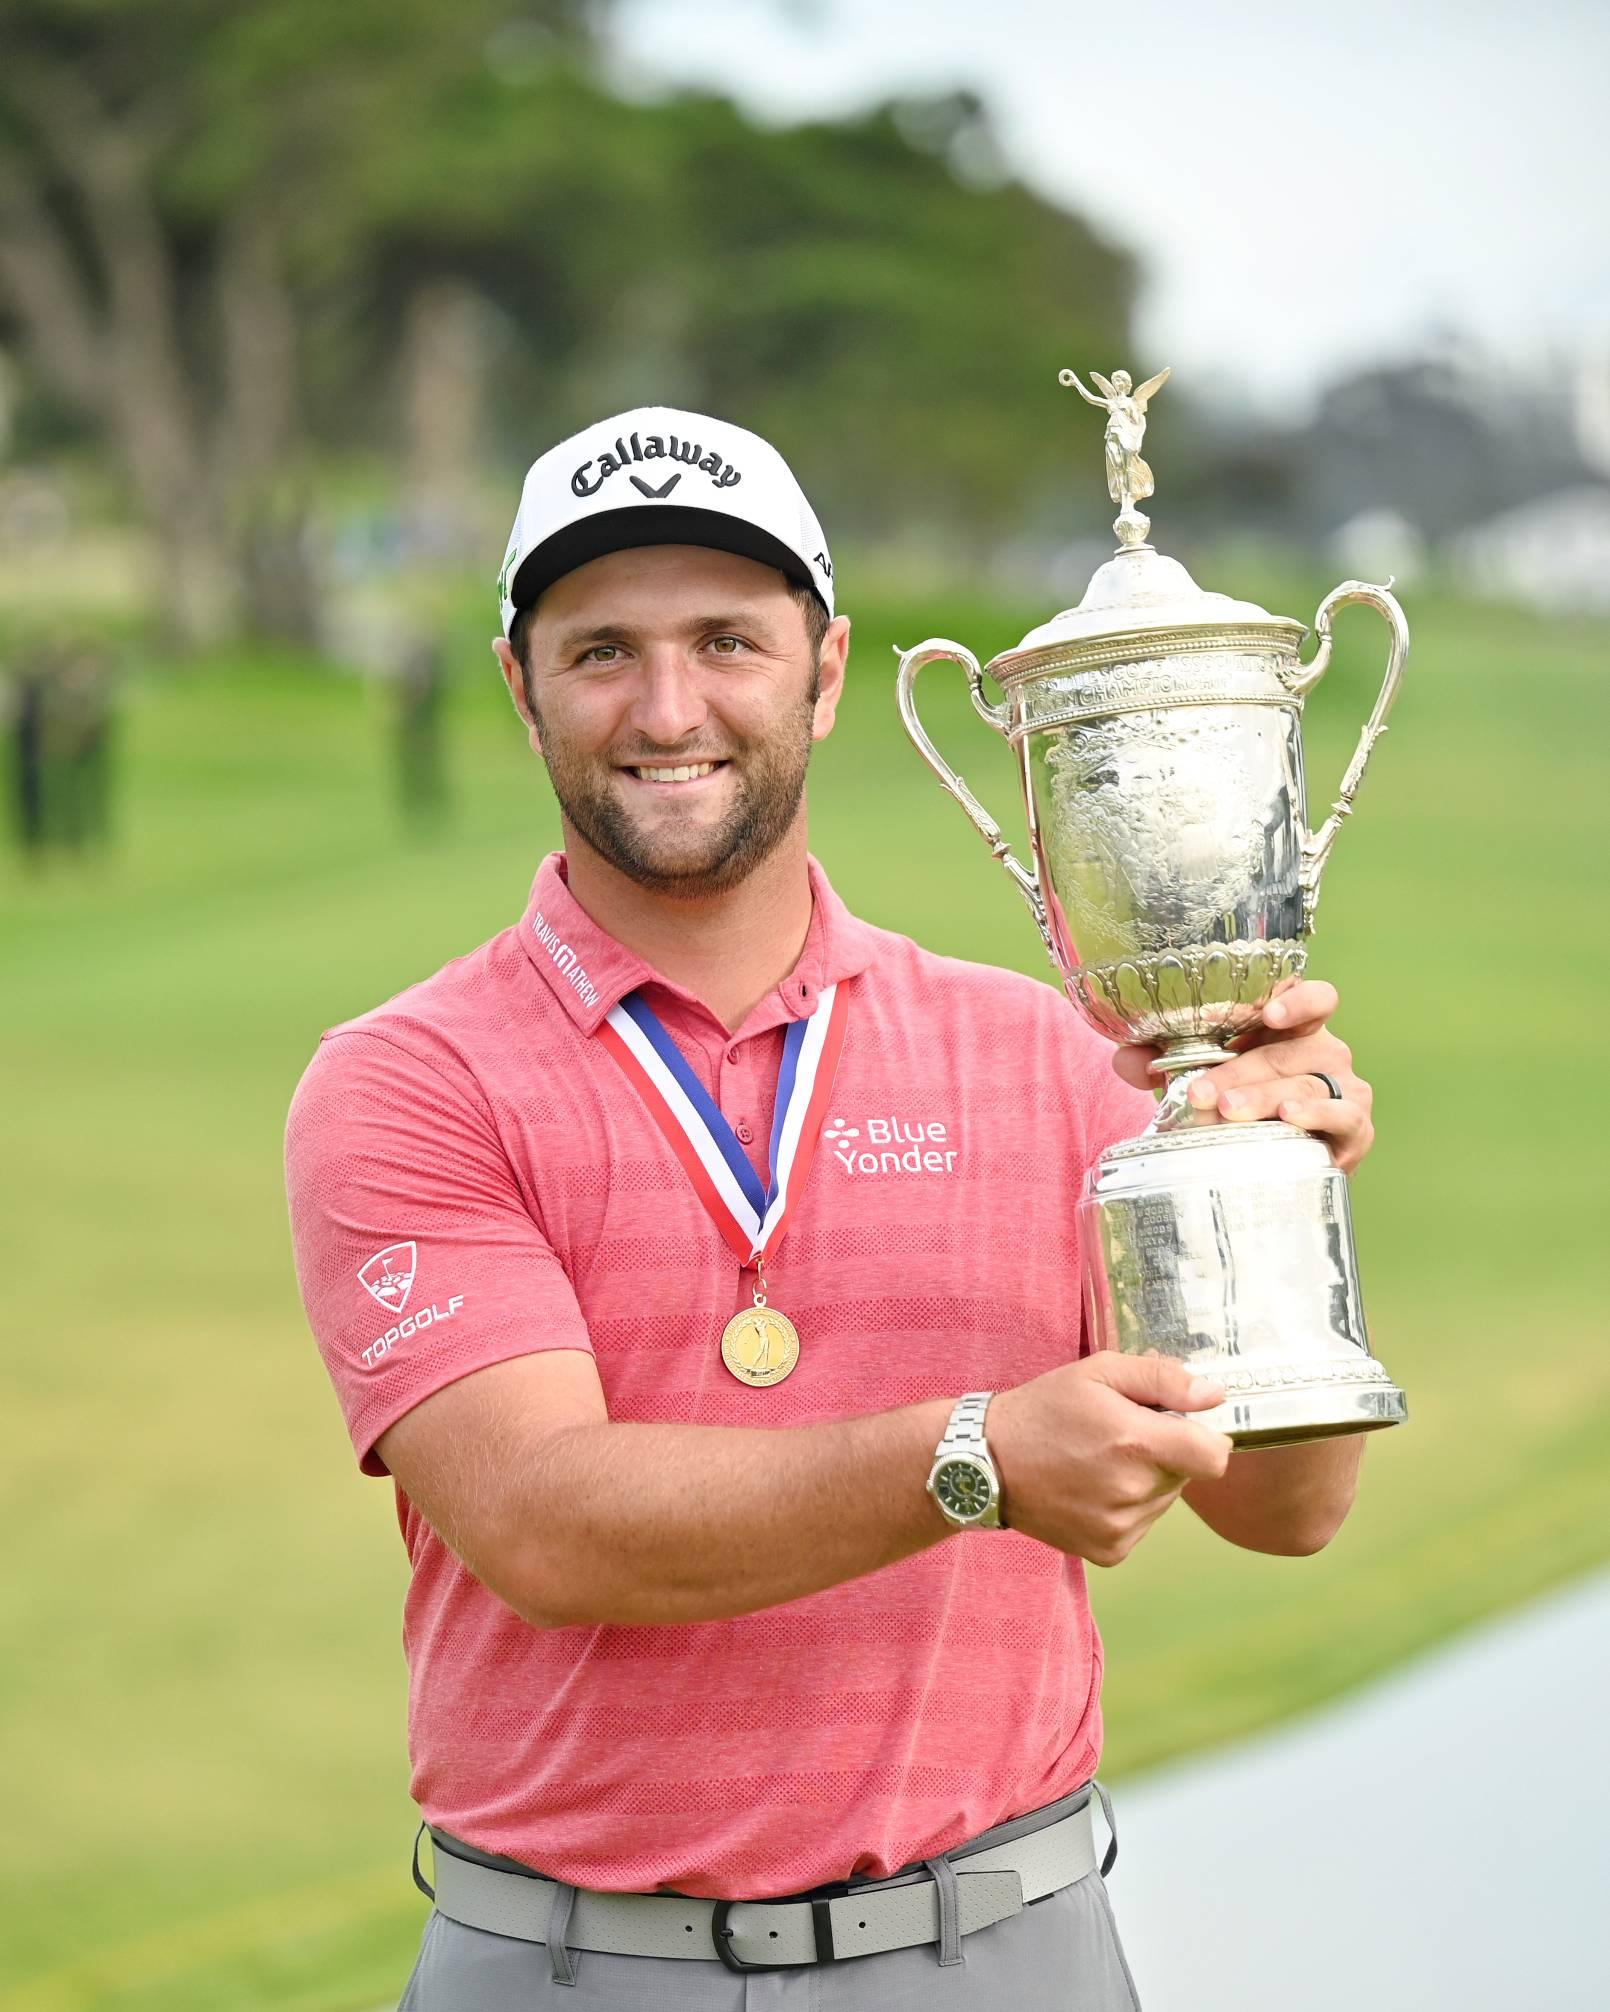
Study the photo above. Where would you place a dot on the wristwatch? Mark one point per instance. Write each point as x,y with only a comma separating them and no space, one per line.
964,1482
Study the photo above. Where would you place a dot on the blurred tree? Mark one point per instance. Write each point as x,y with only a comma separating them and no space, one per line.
907,322
874,293
161,163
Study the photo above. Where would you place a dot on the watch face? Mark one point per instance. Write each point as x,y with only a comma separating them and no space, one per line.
963,1488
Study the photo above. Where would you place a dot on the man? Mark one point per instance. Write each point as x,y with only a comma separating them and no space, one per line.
648,1249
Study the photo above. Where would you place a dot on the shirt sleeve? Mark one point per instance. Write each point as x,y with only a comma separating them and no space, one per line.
417,1255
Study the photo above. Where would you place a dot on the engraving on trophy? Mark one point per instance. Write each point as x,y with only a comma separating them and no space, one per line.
1171,841
1227,1267
1223,679
1157,836
1023,667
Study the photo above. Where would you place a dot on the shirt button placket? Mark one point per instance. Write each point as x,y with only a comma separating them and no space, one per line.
742,1130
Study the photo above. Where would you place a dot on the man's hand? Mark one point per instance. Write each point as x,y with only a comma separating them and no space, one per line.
1088,1456
1271,1074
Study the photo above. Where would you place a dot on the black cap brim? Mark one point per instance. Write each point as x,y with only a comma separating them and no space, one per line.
623,530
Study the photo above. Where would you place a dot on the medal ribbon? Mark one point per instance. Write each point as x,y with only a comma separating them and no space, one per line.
751,1218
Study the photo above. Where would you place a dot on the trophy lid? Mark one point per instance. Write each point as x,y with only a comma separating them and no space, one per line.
1139,603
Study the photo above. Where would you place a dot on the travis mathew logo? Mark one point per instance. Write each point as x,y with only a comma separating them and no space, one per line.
389,1275
690,452
564,959
892,1146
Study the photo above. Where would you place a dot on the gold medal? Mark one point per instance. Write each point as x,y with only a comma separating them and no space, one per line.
760,1345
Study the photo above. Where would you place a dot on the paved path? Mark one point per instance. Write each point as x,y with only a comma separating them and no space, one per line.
1438,1840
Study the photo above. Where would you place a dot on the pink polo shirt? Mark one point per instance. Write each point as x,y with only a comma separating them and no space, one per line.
472,1177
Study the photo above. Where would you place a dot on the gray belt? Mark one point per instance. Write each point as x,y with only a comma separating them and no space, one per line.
987,1880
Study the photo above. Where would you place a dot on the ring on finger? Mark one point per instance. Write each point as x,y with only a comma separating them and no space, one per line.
1330,1083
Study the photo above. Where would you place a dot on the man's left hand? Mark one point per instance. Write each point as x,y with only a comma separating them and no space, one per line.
1271,1074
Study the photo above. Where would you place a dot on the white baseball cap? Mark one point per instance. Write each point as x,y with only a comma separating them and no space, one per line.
660,477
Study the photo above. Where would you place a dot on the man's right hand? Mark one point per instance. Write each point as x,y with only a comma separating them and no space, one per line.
1089,1458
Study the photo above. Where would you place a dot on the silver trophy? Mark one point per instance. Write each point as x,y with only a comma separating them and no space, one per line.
1157,729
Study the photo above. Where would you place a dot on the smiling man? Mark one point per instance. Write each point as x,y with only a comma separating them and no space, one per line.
748,1485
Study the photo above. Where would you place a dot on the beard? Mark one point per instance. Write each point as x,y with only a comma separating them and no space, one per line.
768,783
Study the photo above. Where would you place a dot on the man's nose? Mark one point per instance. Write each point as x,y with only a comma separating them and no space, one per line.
669,704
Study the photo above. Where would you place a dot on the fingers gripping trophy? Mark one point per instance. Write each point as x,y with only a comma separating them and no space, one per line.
1158,734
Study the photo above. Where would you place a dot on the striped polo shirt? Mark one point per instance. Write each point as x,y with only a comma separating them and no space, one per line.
472,1177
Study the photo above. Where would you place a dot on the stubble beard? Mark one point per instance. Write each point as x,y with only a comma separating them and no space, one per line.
769,780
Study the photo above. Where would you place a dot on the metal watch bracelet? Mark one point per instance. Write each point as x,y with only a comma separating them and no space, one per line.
964,1435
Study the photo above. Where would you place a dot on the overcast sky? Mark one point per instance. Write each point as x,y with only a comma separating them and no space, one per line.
1307,186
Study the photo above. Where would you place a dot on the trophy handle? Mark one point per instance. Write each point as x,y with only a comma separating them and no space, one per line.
1317,844
911,662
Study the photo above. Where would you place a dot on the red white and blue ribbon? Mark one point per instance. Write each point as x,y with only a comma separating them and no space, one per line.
749,1216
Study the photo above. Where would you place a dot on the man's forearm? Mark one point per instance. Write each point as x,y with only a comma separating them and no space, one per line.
1289,1500
658,1524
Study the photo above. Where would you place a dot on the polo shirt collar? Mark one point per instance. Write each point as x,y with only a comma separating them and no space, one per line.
589,973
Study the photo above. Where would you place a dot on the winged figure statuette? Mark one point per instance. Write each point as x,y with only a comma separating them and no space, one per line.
1129,479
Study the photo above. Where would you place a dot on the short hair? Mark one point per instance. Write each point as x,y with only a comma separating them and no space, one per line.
811,606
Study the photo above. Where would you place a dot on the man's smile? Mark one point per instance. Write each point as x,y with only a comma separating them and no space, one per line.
679,778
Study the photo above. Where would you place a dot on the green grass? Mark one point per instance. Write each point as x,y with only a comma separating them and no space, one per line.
202,1688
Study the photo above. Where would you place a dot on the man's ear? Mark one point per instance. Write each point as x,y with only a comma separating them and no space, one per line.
514,679
831,661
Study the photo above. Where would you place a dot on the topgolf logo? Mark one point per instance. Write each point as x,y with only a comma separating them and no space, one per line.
389,1275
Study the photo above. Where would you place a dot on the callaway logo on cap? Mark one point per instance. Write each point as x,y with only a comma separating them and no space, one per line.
659,477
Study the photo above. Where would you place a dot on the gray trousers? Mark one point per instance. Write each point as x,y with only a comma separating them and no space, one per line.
1061,1954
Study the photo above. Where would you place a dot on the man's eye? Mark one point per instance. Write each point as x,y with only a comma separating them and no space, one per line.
601,653
727,646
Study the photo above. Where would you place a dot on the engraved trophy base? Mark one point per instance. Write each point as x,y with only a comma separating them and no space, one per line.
1231,1248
